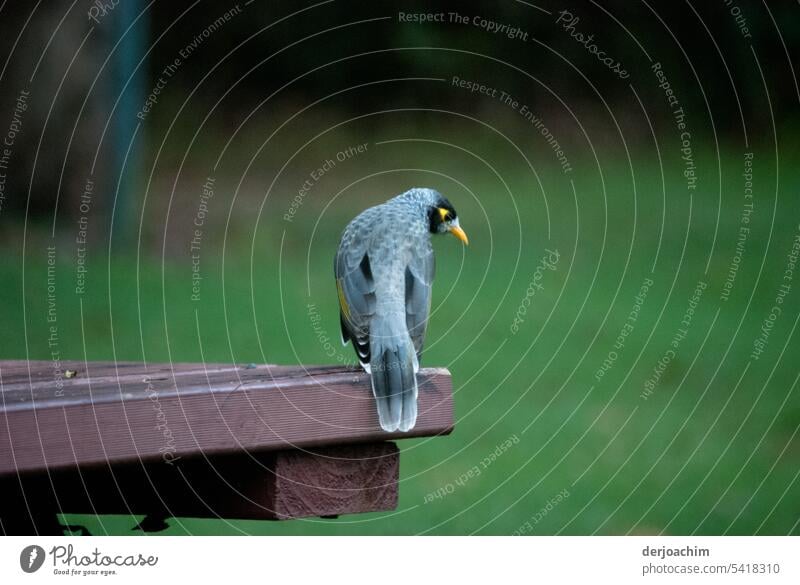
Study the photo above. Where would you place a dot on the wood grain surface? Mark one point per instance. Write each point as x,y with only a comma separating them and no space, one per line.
110,413
193,440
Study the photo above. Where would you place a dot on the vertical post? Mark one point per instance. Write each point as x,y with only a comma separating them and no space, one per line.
128,81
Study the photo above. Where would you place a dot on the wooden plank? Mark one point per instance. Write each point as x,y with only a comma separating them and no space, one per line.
340,480
111,413
277,485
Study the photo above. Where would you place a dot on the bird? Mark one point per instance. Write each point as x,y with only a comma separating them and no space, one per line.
384,268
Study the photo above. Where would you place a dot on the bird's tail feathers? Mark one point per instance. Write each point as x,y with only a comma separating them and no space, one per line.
393,365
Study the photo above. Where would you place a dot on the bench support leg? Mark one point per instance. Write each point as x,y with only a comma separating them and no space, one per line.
278,485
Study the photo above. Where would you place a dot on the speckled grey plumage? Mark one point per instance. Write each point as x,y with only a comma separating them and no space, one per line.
385,268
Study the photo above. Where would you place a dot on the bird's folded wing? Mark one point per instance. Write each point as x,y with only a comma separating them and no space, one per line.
356,290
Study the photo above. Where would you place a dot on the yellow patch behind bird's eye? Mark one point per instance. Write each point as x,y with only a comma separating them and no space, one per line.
342,299
444,213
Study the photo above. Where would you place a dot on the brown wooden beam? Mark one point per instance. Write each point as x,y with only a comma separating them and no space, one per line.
275,485
108,414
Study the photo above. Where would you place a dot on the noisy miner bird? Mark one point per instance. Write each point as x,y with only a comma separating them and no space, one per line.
384,271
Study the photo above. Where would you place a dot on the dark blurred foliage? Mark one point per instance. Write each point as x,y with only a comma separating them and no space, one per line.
312,54
704,33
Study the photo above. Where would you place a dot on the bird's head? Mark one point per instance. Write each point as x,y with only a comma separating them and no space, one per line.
443,218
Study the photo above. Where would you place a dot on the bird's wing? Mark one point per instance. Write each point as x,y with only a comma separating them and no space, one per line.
419,280
356,289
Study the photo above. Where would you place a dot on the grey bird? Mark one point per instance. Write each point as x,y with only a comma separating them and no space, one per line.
384,270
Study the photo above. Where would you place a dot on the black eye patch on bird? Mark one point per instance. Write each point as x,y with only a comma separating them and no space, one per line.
443,218
440,214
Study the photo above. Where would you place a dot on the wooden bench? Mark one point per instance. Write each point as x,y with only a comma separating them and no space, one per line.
194,440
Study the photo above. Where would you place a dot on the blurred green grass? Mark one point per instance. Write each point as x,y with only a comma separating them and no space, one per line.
679,463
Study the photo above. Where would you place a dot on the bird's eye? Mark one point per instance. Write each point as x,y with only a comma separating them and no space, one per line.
445,214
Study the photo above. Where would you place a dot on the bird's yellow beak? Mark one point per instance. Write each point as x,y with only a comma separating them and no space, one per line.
460,234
